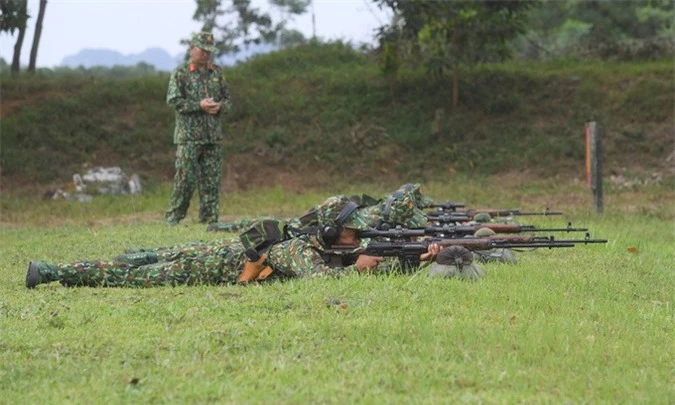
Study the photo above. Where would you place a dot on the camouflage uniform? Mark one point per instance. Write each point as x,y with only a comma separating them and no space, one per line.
422,200
198,135
146,255
222,264
245,223
399,209
214,265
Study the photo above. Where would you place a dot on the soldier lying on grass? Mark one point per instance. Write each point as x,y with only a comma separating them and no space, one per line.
301,256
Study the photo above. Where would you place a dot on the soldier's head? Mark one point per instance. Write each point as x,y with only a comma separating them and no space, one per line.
399,209
484,232
421,200
201,47
339,220
482,217
455,261
493,255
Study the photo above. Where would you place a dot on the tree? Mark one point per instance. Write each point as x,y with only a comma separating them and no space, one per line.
291,38
236,22
600,28
14,17
448,34
36,37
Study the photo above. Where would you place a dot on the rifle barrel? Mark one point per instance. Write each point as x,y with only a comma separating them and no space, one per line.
558,230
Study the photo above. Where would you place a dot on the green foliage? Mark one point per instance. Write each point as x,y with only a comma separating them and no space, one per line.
13,15
623,30
456,32
65,134
251,24
317,108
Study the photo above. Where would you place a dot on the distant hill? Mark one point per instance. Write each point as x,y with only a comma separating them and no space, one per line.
157,57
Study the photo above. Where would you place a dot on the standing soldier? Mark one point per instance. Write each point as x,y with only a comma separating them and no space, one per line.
199,94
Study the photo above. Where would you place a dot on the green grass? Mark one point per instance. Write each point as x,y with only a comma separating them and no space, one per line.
591,324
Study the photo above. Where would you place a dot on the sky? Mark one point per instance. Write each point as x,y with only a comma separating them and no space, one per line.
132,26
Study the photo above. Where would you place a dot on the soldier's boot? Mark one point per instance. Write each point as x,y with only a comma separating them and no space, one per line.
138,258
40,273
172,219
208,219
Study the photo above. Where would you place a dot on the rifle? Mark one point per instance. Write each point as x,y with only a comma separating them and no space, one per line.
446,205
450,231
495,212
447,218
409,252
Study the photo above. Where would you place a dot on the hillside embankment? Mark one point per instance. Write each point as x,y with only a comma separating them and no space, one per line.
303,117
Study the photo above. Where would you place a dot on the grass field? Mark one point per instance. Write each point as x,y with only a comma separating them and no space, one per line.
591,324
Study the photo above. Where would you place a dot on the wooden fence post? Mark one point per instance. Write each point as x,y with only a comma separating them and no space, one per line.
594,163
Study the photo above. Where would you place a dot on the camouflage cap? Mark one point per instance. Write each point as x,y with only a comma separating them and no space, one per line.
203,40
329,211
482,217
398,209
483,232
421,200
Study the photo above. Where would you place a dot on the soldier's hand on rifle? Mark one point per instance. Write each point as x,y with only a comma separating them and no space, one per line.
365,262
432,252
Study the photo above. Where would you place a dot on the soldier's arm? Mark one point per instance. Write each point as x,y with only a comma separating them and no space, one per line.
303,260
176,97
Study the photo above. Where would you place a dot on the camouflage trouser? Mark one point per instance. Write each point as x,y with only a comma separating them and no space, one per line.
175,252
235,226
221,265
246,223
197,165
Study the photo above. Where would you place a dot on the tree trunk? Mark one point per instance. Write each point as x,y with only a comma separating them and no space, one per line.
455,85
17,50
36,37
21,19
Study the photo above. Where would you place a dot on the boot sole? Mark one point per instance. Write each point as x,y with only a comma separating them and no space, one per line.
32,276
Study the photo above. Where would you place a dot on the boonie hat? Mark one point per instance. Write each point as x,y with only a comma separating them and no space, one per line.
421,200
482,217
203,40
333,210
399,208
484,232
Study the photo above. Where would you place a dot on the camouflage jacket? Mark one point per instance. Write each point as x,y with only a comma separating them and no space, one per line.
187,87
302,257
